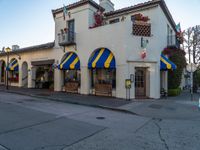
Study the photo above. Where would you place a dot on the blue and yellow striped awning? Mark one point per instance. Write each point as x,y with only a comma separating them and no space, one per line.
166,64
13,66
102,58
70,62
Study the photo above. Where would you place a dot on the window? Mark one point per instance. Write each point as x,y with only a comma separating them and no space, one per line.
72,76
14,76
114,21
104,76
170,36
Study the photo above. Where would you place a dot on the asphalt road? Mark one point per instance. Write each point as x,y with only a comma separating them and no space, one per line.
28,123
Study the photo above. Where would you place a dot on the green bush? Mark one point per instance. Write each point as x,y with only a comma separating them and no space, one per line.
174,76
174,92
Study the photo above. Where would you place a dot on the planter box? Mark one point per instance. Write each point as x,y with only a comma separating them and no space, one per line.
72,87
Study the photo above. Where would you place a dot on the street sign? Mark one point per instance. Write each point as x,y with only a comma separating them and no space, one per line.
191,67
128,83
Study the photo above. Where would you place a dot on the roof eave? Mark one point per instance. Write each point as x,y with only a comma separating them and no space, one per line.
31,48
78,4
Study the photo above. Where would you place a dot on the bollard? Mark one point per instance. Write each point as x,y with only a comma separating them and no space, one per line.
199,103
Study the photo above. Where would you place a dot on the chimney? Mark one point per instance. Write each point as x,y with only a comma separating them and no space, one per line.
107,5
15,47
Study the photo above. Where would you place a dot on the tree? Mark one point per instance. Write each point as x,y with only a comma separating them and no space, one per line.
178,57
191,44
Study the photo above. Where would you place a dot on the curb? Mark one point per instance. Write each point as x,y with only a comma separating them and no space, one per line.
71,102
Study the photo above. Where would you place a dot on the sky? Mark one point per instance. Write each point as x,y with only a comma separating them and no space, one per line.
30,22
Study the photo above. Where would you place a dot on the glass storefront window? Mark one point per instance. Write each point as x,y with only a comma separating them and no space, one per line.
14,76
72,76
45,77
104,76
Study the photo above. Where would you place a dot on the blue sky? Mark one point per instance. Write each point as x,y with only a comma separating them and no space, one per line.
30,22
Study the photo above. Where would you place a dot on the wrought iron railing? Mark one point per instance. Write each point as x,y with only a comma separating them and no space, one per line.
67,38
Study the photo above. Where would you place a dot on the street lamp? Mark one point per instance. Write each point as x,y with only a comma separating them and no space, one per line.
7,50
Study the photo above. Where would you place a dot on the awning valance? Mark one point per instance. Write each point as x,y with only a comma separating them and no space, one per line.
166,64
70,62
13,66
102,58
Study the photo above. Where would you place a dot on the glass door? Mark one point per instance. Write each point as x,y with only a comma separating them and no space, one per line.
140,82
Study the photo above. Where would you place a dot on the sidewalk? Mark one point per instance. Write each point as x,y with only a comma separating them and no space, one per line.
180,107
88,100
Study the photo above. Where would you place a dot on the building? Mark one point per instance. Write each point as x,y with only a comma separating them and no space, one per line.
98,50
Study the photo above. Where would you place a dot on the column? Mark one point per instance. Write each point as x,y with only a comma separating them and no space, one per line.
85,80
31,77
20,75
121,75
58,80
155,81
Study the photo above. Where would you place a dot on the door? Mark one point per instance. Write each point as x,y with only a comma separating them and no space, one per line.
140,82
71,30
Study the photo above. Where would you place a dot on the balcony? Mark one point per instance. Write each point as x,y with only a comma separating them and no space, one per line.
67,38
172,41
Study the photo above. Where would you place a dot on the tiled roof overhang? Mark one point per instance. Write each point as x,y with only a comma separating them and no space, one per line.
143,5
31,48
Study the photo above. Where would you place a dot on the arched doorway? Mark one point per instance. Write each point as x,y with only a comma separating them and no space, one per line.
25,74
2,71
13,72
70,65
102,67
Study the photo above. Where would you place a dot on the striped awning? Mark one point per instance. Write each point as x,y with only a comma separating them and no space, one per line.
102,58
70,62
166,64
13,66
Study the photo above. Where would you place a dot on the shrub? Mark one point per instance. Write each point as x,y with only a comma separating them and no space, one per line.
175,76
174,92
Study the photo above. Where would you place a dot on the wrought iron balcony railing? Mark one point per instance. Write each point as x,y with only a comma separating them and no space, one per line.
67,38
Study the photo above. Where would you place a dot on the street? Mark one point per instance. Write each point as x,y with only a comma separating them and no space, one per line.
30,123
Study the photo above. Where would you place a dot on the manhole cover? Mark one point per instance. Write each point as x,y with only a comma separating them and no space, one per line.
155,106
100,118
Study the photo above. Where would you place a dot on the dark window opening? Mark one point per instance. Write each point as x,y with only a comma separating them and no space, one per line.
114,21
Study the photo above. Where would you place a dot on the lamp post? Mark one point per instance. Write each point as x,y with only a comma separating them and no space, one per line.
7,53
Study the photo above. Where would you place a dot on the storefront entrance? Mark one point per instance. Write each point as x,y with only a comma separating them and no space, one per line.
3,72
44,77
103,72
140,82
43,74
70,66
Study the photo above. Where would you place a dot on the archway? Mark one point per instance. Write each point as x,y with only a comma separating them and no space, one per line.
165,65
13,68
2,71
70,66
102,67
25,74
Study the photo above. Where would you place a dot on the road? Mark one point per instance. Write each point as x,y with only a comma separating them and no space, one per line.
28,123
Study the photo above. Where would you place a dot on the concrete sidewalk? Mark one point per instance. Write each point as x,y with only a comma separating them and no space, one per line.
180,107
87,100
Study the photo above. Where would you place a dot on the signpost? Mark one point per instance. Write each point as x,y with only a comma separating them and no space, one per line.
191,68
128,87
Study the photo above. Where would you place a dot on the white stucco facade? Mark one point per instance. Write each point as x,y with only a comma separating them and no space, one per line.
117,37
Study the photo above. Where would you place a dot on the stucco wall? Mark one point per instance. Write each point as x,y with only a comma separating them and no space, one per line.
116,37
